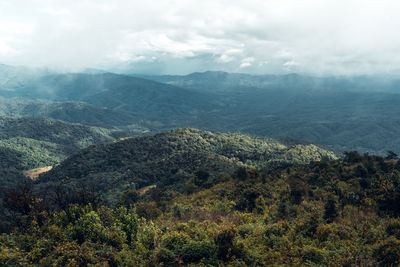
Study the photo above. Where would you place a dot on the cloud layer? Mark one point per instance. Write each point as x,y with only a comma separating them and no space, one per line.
181,36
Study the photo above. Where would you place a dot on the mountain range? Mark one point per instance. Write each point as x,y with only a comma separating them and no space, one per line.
342,113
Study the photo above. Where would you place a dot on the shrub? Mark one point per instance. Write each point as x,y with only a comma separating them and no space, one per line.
313,254
88,227
148,210
127,221
388,253
194,251
129,198
330,210
226,248
166,257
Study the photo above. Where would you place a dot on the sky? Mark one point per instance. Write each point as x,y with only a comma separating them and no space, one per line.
320,37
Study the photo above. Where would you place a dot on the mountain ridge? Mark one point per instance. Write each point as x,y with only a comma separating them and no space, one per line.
170,159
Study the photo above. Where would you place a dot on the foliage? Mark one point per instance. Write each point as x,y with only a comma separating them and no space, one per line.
183,160
320,214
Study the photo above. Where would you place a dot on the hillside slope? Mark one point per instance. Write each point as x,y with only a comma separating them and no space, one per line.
28,143
75,112
118,92
345,113
47,141
170,159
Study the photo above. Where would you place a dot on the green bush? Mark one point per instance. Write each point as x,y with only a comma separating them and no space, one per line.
194,251
313,254
388,253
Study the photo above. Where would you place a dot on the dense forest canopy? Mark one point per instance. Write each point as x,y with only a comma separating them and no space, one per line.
333,212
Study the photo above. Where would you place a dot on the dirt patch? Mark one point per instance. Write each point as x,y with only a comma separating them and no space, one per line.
33,174
143,190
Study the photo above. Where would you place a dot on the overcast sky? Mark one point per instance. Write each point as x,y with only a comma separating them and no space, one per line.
183,36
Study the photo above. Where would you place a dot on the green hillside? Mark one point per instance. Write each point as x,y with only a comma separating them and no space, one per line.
71,136
27,143
75,112
34,153
170,160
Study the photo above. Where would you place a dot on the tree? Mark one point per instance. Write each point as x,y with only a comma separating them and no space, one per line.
23,207
129,198
201,177
352,157
391,155
240,173
225,245
330,210
388,253
127,220
260,205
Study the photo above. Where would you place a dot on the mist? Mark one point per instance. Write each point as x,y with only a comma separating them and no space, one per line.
183,36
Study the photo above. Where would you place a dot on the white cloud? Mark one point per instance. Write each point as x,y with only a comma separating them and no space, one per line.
317,36
224,58
290,65
245,65
16,28
248,60
56,11
6,49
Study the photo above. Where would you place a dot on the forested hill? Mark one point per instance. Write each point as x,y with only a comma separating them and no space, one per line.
170,159
27,143
75,112
118,92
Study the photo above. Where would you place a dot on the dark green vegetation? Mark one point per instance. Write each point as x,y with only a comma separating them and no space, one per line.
170,160
27,143
327,213
75,112
41,135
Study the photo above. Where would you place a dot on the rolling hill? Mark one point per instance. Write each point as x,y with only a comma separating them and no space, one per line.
28,143
38,142
118,92
170,159
75,112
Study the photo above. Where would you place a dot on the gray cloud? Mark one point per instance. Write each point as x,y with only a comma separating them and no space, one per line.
181,36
